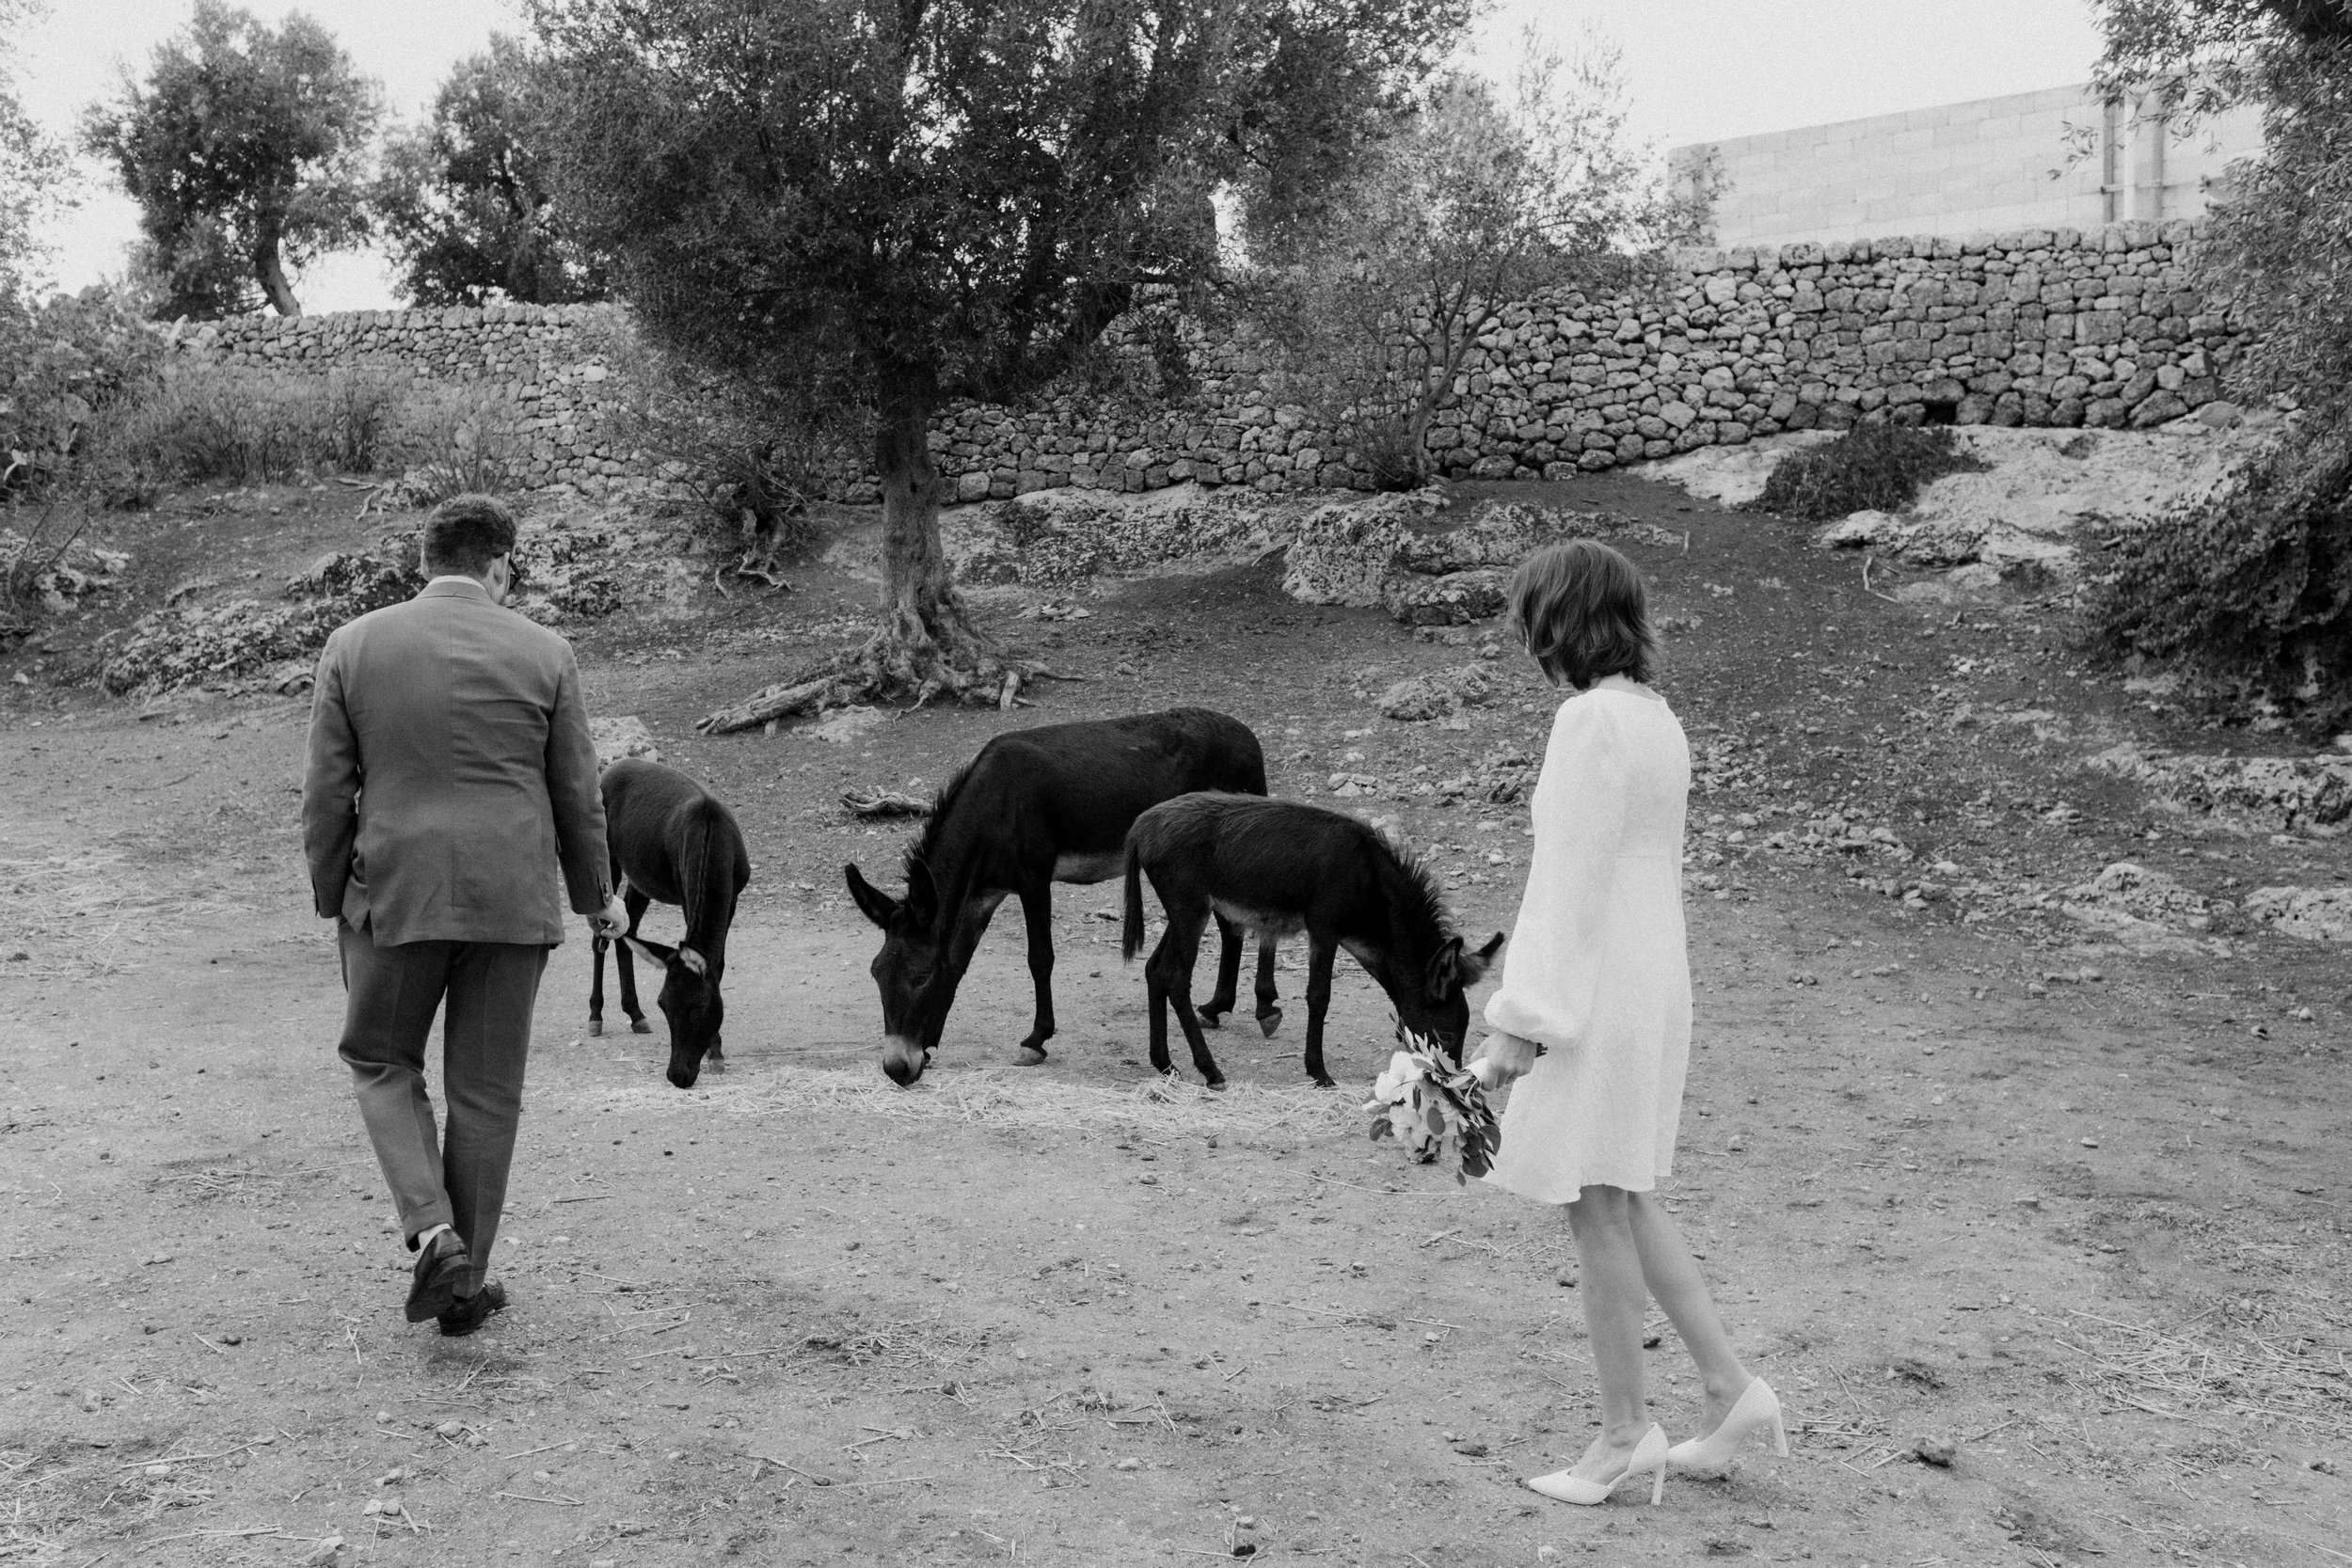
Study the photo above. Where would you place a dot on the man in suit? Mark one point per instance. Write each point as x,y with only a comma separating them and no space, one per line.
450,776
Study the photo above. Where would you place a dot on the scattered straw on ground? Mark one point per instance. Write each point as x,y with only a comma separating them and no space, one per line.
1029,1100
2267,1374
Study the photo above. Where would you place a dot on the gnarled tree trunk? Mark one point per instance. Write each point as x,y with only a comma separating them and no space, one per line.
269,270
927,646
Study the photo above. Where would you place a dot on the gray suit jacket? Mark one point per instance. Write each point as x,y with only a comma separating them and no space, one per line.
451,774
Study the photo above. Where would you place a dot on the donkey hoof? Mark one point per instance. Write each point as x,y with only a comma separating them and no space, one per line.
595,1026
1216,1082
1324,1081
1269,1022
1029,1055
639,1026
1211,1018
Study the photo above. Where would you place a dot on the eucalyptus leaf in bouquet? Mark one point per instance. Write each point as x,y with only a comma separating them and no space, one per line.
1430,1105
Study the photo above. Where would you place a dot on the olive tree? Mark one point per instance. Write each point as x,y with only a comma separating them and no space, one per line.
462,203
907,202
2254,584
246,148
1484,200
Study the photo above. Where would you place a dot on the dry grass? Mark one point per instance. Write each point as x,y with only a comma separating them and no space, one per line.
2268,1373
77,913
1026,1100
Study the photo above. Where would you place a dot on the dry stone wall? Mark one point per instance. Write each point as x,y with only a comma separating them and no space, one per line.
2103,327
548,361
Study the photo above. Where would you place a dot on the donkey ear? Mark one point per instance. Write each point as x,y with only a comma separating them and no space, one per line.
1475,965
879,906
652,952
693,962
922,893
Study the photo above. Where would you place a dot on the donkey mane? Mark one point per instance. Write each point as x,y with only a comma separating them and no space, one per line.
935,824
1413,886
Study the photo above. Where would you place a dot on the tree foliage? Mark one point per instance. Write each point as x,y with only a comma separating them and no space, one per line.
32,167
911,202
2256,583
1479,202
245,148
462,200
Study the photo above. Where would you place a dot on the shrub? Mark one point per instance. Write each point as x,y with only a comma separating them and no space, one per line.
62,366
198,421
1875,466
453,441
2254,584
754,457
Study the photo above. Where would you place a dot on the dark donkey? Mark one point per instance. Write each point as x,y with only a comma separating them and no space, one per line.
1280,867
1036,807
672,840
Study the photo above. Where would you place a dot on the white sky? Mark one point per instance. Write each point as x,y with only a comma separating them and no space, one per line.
1699,70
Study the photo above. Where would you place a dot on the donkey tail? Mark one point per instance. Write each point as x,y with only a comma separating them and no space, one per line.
1131,933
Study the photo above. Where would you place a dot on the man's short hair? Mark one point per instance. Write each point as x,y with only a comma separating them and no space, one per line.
1583,613
464,533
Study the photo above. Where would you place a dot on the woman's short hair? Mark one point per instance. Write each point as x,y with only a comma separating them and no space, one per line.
464,533
1583,612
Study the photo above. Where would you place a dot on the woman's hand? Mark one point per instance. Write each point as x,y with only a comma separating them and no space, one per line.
1503,1057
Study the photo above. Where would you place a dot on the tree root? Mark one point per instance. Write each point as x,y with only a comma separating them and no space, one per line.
905,661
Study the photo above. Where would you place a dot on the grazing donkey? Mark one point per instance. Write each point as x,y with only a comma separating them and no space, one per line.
1036,807
1280,867
672,840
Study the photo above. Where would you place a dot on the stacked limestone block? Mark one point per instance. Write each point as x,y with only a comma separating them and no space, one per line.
2040,327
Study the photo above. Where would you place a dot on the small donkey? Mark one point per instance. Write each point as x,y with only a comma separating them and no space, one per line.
1280,867
672,840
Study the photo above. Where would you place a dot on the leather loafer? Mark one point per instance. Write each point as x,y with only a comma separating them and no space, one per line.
472,1312
442,1266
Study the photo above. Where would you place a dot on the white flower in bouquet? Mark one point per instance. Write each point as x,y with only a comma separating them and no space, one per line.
1426,1103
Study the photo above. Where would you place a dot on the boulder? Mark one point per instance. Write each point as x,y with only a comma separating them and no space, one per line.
624,737
1452,600
1419,698
2306,913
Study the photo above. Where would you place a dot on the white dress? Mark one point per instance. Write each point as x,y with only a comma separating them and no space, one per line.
1596,968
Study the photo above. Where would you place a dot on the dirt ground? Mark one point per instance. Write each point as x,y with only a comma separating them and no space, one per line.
1974,1176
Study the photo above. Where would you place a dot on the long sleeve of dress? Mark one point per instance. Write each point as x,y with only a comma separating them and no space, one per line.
1553,969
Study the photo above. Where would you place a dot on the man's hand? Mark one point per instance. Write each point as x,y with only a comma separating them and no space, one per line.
1503,1057
612,920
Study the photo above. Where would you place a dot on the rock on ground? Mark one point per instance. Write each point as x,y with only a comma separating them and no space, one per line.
2275,792
621,737
2307,913
1441,692
1050,537
2139,892
2021,512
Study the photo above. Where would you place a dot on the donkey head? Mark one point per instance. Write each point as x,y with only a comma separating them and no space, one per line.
1439,1009
690,1001
917,981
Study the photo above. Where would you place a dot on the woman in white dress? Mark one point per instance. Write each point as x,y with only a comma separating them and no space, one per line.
1592,1018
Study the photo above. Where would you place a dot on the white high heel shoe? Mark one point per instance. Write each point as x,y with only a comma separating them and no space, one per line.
1757,1408
1648,1456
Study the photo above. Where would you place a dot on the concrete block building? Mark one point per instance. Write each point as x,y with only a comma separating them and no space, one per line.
2061,158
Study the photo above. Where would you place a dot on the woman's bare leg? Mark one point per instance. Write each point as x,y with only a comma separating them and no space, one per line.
1610,1266
1673,1276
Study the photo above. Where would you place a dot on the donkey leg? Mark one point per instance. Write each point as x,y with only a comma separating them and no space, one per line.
595,984
635,903
1155,981
1320,953
1037,910
1228,974
1269,1016
1188,932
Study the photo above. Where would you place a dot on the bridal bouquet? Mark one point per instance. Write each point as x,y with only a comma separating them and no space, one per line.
1426,1103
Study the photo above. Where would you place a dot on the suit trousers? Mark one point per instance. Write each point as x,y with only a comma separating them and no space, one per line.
457,1178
